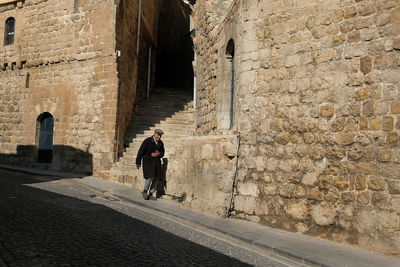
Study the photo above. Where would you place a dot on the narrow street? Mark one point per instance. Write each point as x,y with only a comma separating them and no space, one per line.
50,222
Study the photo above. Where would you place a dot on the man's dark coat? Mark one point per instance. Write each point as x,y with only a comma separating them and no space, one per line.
151,165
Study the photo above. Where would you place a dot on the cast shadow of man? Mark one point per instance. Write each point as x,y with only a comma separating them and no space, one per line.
162,181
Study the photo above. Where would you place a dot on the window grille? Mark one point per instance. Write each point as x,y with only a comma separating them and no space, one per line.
9,31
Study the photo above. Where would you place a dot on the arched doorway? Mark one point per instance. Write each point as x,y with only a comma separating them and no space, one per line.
44,129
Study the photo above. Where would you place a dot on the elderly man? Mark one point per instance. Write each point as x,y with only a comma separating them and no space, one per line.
151,151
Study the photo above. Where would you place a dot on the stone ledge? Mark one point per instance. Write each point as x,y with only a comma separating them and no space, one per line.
3,2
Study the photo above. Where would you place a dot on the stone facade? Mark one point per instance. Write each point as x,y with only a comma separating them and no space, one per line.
316,103
64,62
297,105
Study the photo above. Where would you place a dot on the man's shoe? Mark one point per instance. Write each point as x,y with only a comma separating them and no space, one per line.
151,197
144,194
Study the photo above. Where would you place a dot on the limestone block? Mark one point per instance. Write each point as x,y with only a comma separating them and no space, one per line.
376,183
395,107
323,214
224,183
253,218
395,204
366,221
360,183
365,65
327,110
387,220
317,152
283,138
339,39
356,152
229,149
345,138
385,155
298,210
394,187
324,55
310,178
380,200
261,208
207,152
272,164
342,183
244,203
396,44
363,198
308,138
388,123
249,46
261,163
366,8
270,190
248,189
292,61
325,182
333,195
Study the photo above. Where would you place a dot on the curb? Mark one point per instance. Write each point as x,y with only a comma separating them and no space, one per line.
280,252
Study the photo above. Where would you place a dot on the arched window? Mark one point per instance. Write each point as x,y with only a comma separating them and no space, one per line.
230,56
9,31
226,95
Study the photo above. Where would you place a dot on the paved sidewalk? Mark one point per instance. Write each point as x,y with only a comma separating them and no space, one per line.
299,247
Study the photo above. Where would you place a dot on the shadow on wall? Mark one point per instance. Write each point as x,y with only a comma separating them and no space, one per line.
63,158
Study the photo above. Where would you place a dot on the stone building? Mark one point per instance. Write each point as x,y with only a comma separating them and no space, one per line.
313,90
71,75
296,103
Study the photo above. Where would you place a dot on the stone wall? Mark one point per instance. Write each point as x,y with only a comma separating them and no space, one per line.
213,31
133,63
199,172
11,101
202,170
318,115
62,62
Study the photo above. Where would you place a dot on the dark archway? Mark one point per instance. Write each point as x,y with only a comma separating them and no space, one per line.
44,137
175,47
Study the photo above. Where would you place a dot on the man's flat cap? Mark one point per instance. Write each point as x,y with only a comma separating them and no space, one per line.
159,131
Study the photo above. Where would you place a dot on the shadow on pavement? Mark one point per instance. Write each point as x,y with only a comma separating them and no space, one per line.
38,227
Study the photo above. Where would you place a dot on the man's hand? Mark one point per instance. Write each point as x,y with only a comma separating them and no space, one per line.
155,154
138,166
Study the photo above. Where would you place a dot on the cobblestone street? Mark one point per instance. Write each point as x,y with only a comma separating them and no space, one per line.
45,222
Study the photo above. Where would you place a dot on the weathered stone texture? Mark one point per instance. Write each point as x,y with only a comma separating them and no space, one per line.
318,104
200,173
62,62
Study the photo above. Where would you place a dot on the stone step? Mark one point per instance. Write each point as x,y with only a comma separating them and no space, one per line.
143,121
133,148
166,104
167,128
171,111
156,114
138,141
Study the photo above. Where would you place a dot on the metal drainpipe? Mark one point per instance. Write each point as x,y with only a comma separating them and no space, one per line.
148,74
228,212
118,123
138,28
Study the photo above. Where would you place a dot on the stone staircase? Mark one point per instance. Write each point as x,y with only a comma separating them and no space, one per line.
167,109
